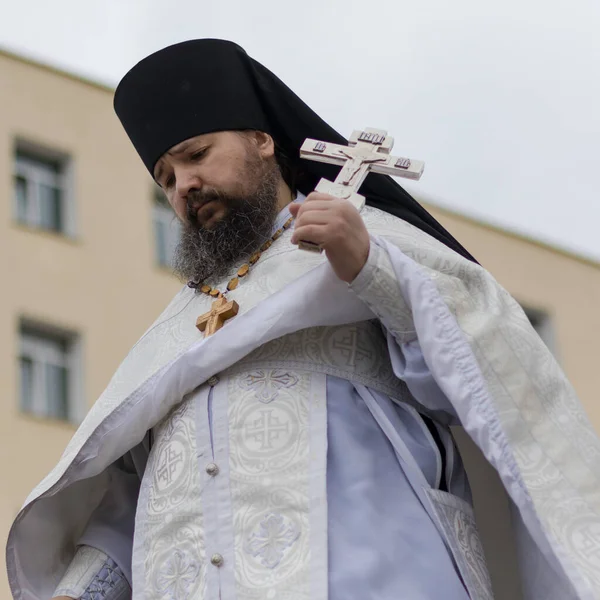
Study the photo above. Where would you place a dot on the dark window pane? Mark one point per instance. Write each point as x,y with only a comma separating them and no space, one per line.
21,198
174,237
161,200
51,213
57,405
26,384
160,242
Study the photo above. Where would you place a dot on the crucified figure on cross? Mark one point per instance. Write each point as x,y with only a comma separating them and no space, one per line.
367,150
356,168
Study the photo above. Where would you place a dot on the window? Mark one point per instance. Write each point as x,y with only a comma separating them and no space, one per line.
542,323
41,195
167,230
48,374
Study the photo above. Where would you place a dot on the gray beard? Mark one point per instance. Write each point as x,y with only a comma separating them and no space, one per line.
203,254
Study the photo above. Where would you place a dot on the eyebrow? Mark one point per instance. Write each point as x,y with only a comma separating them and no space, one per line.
179,149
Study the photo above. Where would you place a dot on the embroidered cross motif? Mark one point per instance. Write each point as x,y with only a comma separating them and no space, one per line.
177,574
169,465
267,383
351,348
267,429
271,538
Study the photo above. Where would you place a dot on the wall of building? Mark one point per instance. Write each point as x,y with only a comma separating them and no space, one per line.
103,284
567,289
538,276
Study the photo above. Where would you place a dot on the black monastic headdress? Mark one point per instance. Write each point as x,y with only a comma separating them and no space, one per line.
202,86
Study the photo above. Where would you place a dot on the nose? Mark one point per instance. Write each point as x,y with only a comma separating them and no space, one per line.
186,179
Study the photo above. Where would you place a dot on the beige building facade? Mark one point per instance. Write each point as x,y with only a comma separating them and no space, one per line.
83,244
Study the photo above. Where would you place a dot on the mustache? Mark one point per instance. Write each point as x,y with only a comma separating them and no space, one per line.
245,225
196,199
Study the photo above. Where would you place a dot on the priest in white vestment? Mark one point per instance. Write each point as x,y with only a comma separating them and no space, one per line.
282,430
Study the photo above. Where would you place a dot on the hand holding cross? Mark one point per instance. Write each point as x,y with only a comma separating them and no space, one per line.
368,150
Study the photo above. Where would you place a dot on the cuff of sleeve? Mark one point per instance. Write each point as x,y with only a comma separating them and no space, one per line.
377,286
85,565
366,274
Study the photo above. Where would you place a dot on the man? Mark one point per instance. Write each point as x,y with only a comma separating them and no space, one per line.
300,448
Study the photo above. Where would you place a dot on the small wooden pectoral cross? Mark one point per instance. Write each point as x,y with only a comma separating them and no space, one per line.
220,311
367,150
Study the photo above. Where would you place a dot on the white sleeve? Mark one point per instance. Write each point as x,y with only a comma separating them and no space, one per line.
378,287
85,565
103,556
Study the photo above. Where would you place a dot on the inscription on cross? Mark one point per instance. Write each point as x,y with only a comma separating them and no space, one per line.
367,150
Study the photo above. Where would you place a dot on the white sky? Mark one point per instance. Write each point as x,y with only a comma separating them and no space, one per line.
501,99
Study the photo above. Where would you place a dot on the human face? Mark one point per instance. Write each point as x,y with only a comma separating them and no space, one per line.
228,220
194,173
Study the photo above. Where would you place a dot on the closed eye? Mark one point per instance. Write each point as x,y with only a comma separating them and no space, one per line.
198,155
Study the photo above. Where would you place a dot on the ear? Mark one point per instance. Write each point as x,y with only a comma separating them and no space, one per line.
265,144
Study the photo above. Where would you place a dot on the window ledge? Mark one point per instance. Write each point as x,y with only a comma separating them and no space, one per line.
54,235
51,421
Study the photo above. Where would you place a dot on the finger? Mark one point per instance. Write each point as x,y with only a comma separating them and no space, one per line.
316,205
314,217
310,233
319,196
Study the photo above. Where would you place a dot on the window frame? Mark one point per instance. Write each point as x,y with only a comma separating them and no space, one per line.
164,216
25,156
42,343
